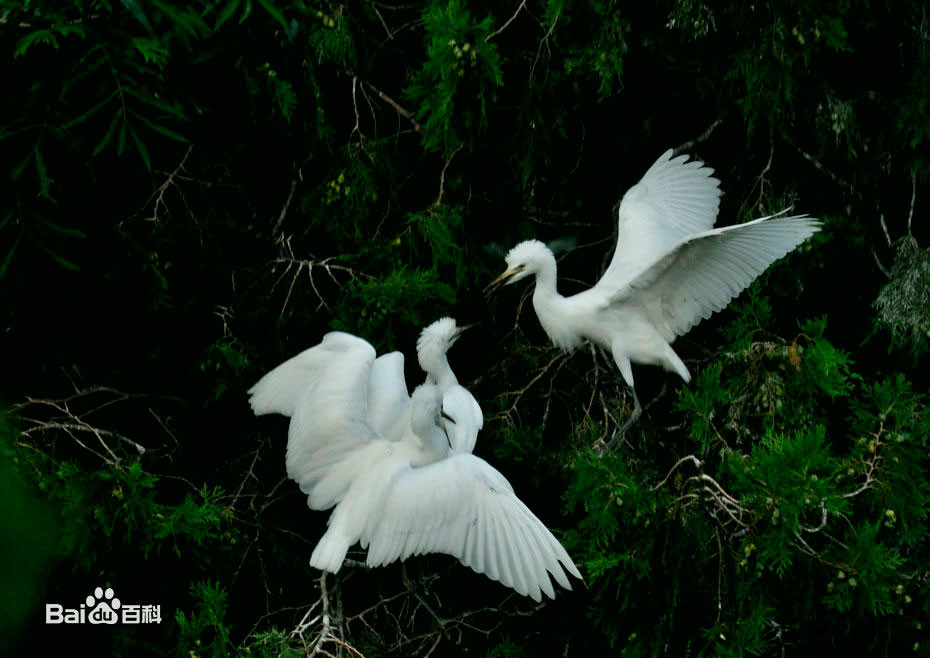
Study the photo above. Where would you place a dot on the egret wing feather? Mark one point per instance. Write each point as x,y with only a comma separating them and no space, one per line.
471,513
280,391
388,399
673,200
703,273
331,418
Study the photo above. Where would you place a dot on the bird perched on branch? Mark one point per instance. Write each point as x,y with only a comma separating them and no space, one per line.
406,496
670,270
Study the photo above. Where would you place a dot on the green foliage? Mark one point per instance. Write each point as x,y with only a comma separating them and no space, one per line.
600,58
454,87
440,229
29,526
119,506
378,307
904,302
203,631
276,643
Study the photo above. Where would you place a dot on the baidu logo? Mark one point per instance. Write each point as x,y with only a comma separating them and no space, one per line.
102,607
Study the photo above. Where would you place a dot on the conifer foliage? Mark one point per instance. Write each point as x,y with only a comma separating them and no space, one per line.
195,190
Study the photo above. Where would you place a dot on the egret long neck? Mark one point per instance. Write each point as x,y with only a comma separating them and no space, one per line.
552,309
442,373
439,372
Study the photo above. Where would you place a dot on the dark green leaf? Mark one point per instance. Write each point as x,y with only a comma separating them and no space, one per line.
140,145
167,132
9,255
226,13
274,11
108,135
89,113
136,10
43,174
246,12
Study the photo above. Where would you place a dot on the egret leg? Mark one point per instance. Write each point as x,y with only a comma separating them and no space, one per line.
637,412
626,370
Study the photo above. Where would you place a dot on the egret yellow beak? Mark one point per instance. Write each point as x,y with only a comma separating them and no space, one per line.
502,279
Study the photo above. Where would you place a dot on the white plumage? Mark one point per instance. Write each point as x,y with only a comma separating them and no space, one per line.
405,494
670,270
457,402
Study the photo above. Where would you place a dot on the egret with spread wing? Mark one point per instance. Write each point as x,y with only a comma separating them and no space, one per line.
406,496
671,269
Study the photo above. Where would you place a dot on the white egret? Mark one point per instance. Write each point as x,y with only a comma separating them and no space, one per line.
404,497
389,402
461,406
670,270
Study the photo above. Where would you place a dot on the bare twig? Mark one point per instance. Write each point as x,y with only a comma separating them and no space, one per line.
159,194
697,464
822,168
703,137
881,221
296,265
287,204
442,176
509,21
402,111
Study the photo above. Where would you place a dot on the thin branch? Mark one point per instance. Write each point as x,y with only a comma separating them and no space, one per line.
402,111
287,204
509,21
697,464
159,194
822,168
442,176
703,137
881,221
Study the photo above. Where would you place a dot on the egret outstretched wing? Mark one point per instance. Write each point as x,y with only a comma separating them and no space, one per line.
388,399
280,391
463,507
673,200
704,272
331,419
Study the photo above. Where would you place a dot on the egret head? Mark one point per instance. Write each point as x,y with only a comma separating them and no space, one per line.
528,257
435,340
426,414
426,402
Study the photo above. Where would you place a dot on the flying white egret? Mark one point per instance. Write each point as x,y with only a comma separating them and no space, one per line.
670,270
404,497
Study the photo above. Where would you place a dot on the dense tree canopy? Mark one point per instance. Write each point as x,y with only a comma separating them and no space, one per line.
195,190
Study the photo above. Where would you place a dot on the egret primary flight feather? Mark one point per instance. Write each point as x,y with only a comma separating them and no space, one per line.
671,269
406,496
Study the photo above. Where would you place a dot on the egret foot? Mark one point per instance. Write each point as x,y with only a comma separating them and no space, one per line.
637,412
